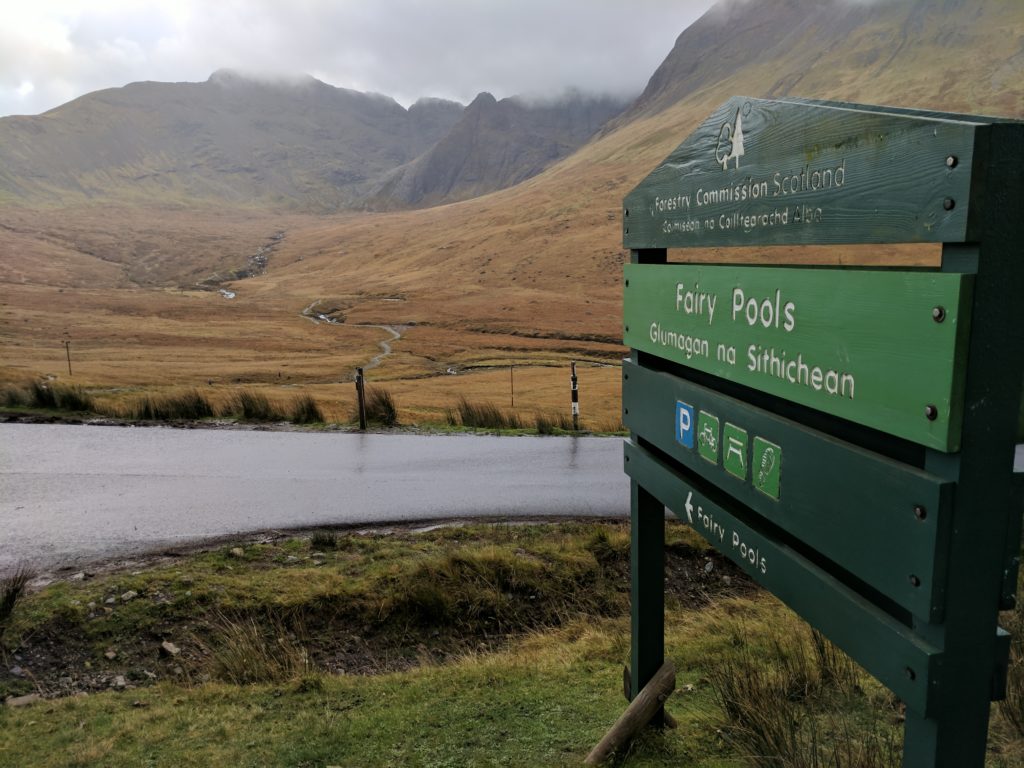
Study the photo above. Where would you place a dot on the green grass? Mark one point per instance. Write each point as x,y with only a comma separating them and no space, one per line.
482,645
529,707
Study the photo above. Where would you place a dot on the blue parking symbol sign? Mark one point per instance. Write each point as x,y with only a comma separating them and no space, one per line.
684,424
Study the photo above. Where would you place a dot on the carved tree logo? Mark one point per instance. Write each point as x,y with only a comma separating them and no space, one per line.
730,140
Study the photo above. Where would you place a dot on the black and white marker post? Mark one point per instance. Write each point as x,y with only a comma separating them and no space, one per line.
575,399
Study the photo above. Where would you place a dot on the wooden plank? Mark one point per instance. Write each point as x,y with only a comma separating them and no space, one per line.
864,345
639,713
906,664
795,173
884,522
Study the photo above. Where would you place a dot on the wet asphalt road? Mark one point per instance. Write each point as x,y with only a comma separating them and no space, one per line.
70,495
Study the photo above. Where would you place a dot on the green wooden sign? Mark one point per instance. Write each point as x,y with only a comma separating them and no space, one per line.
792,172
903,559
884,522
908,665
880,348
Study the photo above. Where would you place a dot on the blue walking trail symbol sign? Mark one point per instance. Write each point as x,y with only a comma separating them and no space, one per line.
770,406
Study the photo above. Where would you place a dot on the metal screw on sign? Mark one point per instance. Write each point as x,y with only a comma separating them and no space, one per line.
949,203
931,412
920,512
915,581
939,314
952,161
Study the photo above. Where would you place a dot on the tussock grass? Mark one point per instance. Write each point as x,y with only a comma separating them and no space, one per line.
380,407
787,703
190,404
187,405
13,396
548,423
1011,709
244,651
306,410
495,589
12,589
40,394
324,540
252,405
834,668
484,415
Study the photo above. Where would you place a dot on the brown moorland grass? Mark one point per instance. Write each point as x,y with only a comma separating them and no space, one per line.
527,276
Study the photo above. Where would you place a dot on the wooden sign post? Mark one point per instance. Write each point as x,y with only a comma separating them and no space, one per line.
846,436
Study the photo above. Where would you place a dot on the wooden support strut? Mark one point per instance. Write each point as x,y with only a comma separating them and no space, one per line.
641,711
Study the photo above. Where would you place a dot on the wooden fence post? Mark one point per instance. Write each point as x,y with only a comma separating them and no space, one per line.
361,397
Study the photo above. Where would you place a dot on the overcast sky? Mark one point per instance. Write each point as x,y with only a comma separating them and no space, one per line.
52,51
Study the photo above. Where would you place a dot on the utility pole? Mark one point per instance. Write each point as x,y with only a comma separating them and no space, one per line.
512,384
67,348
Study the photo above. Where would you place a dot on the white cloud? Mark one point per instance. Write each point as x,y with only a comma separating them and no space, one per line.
404,48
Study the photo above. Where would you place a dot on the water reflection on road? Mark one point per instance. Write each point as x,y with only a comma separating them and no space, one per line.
74,494
70,494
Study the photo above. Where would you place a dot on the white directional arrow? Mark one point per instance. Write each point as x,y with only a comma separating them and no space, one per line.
689,507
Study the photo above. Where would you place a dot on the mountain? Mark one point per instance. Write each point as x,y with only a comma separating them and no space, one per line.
932,52
497,144
232,139
289,143
544,256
